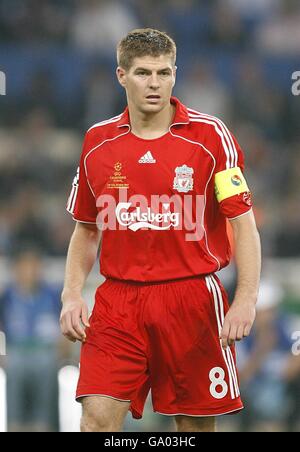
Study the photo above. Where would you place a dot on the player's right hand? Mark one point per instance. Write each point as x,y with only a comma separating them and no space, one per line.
74,319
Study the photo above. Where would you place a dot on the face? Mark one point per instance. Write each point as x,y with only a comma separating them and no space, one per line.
28,269
149,83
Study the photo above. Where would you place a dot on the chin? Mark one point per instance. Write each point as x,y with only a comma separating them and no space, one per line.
152,108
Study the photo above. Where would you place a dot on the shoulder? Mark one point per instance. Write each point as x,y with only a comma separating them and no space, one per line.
212,132
104,125
211,124
103,131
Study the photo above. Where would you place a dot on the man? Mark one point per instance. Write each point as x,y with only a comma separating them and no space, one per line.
159,181
29,313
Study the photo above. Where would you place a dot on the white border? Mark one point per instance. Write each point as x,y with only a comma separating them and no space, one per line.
101,395
200,415
242,215
228,350
107,121
212,289
84,222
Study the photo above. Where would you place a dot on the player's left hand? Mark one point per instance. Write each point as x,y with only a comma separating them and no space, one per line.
238,322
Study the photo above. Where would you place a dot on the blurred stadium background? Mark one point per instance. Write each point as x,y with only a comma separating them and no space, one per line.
235,60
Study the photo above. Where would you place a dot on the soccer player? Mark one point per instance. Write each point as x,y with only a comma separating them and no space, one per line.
155,187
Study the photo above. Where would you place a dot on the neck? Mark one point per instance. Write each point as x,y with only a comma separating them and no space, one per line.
151,125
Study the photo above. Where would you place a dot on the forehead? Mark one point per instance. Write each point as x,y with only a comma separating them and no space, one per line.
150,62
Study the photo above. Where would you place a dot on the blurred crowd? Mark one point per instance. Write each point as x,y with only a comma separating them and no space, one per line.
235,60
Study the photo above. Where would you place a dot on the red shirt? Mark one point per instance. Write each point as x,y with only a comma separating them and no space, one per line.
121,177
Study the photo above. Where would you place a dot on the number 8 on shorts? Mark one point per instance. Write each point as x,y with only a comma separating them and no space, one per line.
217,378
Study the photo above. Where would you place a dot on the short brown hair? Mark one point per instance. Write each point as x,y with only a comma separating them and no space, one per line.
144,42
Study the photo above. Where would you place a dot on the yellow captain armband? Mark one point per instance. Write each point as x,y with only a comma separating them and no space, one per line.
229,183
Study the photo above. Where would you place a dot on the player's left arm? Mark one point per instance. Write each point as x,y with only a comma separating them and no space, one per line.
240,317
235,203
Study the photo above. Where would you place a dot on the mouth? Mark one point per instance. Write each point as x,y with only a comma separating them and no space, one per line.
153,97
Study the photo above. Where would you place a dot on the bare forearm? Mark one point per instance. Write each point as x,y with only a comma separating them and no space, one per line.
248,258
81,257
241,315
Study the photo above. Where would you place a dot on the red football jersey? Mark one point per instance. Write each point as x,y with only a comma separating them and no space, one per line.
162,204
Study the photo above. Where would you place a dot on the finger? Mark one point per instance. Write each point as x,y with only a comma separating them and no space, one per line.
232,335
231,342
70,338
70,332
247,330
64,330
85,317
77,325
225,335
62,324
240,333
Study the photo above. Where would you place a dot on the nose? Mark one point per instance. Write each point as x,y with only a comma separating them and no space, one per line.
154,82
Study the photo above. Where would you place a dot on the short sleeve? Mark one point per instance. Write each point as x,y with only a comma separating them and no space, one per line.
231,188
82,203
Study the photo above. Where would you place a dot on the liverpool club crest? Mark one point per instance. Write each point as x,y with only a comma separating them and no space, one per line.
184,181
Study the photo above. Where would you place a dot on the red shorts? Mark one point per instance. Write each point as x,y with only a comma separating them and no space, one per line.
163,337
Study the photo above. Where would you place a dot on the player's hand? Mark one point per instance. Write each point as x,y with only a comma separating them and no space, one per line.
238,323
74,318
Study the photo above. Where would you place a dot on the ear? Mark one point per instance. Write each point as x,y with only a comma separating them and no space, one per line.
174,75
121,75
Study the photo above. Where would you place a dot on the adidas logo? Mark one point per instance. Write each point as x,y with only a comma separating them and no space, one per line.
147,158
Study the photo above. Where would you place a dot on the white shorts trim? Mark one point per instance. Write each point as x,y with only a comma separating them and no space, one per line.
101,395
200,415
214,289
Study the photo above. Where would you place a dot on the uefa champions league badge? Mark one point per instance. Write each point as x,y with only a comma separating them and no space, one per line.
184,181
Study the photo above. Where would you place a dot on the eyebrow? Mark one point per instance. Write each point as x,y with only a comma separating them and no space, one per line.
149,70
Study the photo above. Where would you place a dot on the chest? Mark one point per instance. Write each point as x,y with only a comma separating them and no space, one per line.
168,166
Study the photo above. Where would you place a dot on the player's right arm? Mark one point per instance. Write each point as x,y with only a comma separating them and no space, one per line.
82,255
82,251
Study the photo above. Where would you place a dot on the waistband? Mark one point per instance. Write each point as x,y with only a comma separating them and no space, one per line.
157,283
